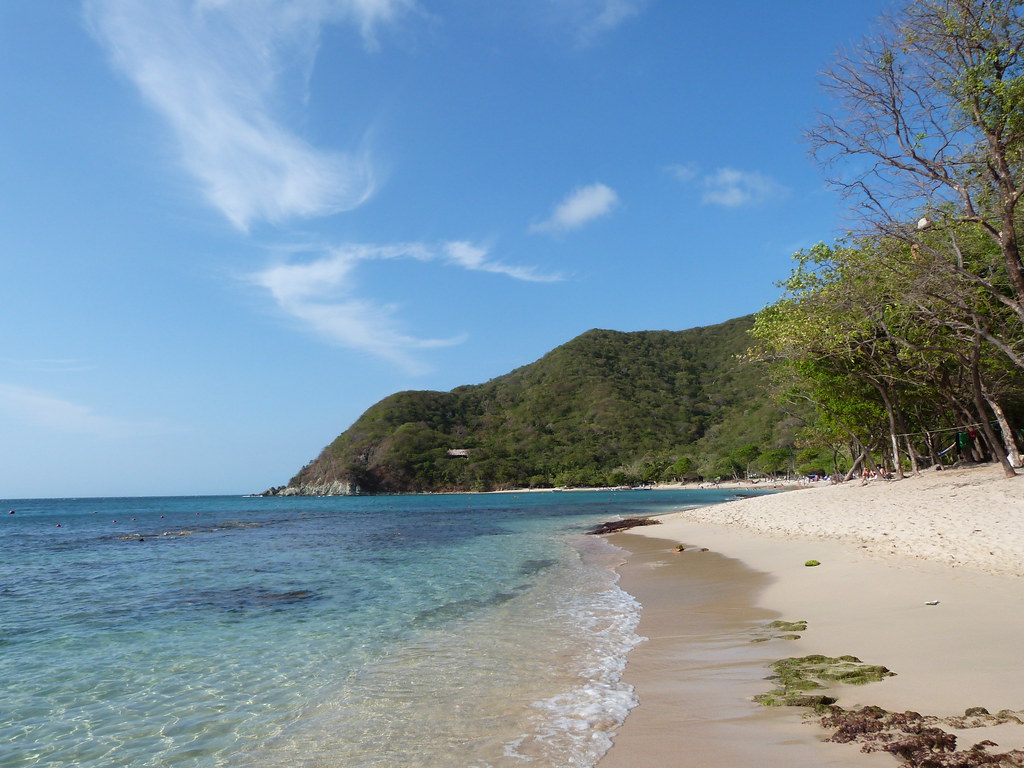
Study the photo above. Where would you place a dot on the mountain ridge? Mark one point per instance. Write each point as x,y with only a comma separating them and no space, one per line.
605,408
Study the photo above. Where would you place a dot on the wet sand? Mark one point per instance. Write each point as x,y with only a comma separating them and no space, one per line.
698,670
885,551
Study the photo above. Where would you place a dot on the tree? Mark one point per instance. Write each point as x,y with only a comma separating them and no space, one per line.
930,120
744,457
858,337
775,461
682,467
928,127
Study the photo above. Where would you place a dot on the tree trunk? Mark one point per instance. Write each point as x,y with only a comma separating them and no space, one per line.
853,469
1007,431
979,403
933,455
865,456
914,468
897,463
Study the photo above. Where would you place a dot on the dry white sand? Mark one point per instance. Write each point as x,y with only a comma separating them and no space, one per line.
971,518
886,550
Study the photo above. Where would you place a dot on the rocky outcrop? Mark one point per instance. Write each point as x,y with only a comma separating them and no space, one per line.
335,488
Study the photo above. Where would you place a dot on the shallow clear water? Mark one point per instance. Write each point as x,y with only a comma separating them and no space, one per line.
462,630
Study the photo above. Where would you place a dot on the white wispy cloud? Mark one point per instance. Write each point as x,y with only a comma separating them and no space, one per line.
54,365
213,70
320,293
475,258
221,74
730,187
42,410
684,171
592,18
733,188
583,205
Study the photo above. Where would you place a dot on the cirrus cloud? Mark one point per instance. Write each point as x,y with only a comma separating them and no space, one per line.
729,187
43,410
590,19
320,294
212,69
733,188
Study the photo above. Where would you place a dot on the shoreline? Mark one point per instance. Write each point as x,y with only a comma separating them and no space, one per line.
701,665
756,485
886,550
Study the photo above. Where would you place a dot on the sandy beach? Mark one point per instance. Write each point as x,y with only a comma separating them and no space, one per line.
922,575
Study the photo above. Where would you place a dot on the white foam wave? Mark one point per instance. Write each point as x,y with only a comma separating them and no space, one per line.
574,728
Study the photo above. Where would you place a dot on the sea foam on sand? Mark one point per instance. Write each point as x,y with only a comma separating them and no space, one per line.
922,575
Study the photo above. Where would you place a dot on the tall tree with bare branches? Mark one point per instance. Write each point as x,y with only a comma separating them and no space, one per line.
928,125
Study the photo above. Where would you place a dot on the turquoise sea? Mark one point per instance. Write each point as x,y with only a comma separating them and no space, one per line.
456,630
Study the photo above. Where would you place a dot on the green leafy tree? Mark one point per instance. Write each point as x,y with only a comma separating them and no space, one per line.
743,458
680,469
775,461
856,335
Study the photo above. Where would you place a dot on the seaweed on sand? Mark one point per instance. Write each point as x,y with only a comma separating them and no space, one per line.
916,740
621,525
795,677
780,630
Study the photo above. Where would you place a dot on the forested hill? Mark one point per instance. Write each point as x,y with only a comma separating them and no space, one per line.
607,408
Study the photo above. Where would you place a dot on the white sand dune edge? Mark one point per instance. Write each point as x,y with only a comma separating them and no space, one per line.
887,549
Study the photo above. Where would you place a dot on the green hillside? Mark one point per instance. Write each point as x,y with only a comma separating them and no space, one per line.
607,408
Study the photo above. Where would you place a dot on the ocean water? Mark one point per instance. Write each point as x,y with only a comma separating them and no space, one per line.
457,630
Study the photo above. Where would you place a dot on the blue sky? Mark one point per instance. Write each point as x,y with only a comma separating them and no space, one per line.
230,226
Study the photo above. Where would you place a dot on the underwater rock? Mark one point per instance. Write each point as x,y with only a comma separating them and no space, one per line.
292,596
244,599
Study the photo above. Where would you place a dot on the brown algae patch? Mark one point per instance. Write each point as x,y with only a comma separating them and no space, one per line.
916,740
614,526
